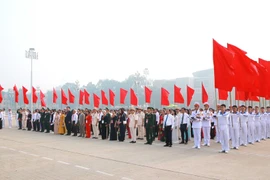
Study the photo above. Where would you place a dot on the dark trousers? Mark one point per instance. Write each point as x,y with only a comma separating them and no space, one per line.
29,125
104,131
34,125
156,129
100,127
37,125
42,126
68,126
149,134
1,123
20,124
47,126
184,132
168,134
122,132
74,128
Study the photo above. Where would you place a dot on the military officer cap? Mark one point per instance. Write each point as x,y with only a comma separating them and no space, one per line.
149,108
107,109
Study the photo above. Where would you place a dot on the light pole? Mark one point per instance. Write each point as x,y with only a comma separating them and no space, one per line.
31,54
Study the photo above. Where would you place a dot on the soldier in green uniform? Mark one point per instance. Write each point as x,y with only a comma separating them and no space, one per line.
47,120
149,124
42,120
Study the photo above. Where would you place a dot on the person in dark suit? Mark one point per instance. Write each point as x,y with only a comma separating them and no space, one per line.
68,120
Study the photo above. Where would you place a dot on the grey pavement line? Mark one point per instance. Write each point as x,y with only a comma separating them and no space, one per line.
50,159
104,173
82,167
62,162
125,178
130,163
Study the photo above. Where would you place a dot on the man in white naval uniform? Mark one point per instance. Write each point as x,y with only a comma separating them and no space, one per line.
196,118
268,123
263,123
222,121
257,118
251,126
9,118
140,124
243,126
206,124
234,121
133,121
95,120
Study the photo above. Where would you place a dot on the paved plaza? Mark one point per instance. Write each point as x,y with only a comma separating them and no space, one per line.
33,155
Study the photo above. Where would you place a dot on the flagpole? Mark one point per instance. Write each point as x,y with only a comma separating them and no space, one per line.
230,99
216,99
260,105
264,103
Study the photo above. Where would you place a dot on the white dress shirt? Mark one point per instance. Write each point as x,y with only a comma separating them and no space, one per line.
168,120
157,117
75,117
185,120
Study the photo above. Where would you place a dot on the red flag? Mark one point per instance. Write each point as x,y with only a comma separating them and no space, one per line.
64,97
81,97
243,68
123,94
241,95
133,98
71,97
25,98
42,96
204,94
96,101
35,97
86,97
111,96
190,93
223,67
222,95
266,65
16,92
178,97
1,97
165,97
54,96
148,94
253,98
104,99
261,81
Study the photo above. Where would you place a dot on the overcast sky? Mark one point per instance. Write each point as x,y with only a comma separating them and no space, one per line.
92,40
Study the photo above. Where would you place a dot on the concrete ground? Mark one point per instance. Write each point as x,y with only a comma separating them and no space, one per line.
34,155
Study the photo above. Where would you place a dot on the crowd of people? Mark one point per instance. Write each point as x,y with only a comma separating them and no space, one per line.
240,125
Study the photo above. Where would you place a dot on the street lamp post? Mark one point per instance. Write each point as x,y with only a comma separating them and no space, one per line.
31,54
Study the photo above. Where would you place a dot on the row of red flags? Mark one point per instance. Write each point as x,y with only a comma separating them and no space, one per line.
84,96
233,68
